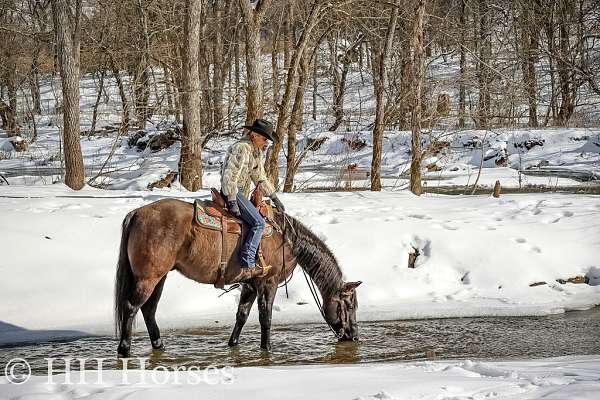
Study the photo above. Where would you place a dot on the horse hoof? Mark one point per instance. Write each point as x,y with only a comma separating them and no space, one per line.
158,344
266,347
122,353
123,350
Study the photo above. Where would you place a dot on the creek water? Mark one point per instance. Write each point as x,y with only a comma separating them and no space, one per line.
573,333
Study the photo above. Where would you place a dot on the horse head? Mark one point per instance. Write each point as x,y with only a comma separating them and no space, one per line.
340,311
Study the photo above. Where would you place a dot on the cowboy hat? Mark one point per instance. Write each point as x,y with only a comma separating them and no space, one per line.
263,128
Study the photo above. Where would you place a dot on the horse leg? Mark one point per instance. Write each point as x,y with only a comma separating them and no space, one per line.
246,300
149,311
265,311
141,292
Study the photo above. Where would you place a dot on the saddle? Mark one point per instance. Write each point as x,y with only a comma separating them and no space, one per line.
213,214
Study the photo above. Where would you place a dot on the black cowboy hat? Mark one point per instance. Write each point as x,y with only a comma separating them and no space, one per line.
263,128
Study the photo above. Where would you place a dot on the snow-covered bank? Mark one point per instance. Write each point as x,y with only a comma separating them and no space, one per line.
563,378
478,256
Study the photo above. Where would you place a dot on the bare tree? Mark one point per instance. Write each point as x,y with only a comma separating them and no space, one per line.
462,112
191,141
418,73
67,15
291,80
484,71
378,62
253,16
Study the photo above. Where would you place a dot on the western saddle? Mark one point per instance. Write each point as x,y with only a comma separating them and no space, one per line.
214,215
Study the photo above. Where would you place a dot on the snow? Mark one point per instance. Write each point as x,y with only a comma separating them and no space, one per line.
478,256
561,378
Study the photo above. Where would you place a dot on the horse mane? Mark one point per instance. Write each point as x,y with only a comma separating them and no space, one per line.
314,257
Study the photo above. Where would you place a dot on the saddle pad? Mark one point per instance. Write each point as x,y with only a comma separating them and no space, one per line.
208,216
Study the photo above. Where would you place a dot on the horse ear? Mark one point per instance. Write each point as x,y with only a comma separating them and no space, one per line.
351,286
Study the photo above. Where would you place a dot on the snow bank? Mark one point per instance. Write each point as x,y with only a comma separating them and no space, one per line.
478,256
563,378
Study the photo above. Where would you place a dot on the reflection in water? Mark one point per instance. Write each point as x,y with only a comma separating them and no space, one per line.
573,333
343,352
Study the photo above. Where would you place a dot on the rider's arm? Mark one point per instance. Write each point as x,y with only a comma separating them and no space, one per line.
259,177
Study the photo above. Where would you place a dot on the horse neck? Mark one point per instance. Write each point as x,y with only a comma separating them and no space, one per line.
316,259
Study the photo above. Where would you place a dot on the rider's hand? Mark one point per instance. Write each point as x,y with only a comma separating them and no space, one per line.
277,202
233,207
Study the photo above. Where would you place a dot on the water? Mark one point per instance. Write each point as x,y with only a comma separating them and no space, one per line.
575,333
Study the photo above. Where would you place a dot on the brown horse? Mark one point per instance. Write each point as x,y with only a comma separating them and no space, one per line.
162,236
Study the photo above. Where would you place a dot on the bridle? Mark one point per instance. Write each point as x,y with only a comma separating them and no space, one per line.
345,301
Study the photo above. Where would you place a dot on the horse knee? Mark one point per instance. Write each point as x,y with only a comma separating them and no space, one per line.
242,314
141,293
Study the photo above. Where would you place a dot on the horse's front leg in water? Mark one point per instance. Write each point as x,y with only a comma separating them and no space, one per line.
247,298
265,310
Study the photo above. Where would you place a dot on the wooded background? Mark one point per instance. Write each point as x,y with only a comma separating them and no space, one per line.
212,65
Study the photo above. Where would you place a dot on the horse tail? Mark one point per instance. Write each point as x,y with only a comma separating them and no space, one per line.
124,277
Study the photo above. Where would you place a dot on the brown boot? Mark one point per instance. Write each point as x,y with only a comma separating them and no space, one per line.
254,272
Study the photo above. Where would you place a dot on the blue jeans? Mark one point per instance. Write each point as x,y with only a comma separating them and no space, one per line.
254,224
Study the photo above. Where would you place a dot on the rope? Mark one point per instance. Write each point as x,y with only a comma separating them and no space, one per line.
229,289
313,291
287,295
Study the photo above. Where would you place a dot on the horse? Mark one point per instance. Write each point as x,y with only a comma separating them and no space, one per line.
162,236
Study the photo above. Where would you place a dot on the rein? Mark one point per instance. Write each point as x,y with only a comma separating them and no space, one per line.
313,291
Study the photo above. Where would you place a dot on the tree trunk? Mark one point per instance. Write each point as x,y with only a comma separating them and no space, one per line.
379,83
275,66
190,163
9,111
66,26
34,83
168,90
206,100
252,17
339,86
218,82
237,68
418,75
549,29
97,103
294,125
483,70
529,39
142,75
565,73
315,85
271,167
462,111
406,88
124,102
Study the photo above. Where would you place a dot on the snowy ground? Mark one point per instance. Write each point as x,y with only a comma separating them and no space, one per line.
478,257
564,378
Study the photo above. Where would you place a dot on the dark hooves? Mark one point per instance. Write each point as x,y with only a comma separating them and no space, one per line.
158,344
123,350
